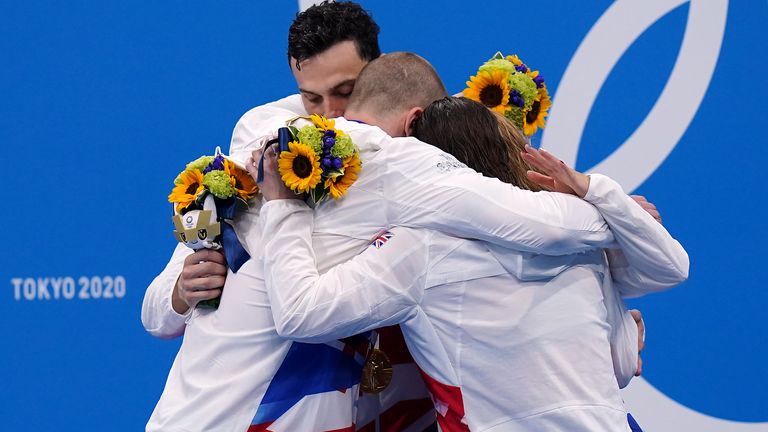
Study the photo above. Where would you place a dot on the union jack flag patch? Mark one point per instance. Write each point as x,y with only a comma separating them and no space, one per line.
381,239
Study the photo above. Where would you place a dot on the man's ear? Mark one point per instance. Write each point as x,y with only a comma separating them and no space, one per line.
412,115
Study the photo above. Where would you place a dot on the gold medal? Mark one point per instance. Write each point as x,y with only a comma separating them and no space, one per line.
377,372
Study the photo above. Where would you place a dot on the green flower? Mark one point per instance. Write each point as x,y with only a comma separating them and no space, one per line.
525,86
343,147
200,163
313,137
197,164
498,64
515,115
219,183
178,180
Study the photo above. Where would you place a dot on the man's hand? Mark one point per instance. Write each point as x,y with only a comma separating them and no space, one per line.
647,206
272,187
202,278
640,338
554,174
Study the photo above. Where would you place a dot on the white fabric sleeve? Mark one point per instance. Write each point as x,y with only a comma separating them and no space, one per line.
377,288
428,188
262,121
157,314
649,260
623,337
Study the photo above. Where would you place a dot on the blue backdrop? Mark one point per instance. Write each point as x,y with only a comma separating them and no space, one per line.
103,102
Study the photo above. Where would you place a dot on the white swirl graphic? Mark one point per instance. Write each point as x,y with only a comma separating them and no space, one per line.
645,150
304,4
613,33
656,412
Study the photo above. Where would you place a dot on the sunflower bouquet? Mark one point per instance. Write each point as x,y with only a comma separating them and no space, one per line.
215,175
205,198
508,86
319,160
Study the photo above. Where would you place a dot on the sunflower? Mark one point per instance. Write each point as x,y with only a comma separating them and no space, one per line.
514,59
491,88
534,117
519,65
536,77
245,186
190,185
325,124
299,167
338,186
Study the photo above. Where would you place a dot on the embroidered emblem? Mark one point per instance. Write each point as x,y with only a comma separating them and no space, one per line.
381,239
449,164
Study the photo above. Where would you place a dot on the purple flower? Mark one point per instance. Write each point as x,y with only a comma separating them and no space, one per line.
325,163
521,68
515,98
337,163
216,165
328,142
539,80
329,134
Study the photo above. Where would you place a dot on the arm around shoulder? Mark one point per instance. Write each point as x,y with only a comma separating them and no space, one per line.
380,287
649,259
428,188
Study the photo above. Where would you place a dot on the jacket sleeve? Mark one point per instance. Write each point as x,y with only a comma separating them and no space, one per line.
623,336
359,295
649,259
425,187
157,314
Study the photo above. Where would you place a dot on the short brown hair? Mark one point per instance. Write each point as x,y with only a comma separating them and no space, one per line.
394,83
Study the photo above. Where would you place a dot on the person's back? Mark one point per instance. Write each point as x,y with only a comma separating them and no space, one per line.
525,355
497,353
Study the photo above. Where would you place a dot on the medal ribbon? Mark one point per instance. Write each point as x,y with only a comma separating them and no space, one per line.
233,250
282,140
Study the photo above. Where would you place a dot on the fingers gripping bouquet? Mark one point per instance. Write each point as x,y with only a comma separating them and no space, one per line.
316,159
509,87
206,197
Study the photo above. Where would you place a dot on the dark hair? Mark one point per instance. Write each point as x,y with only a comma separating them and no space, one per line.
483,140
328,23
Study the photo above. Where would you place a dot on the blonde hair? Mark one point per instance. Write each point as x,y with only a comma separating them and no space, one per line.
516,143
